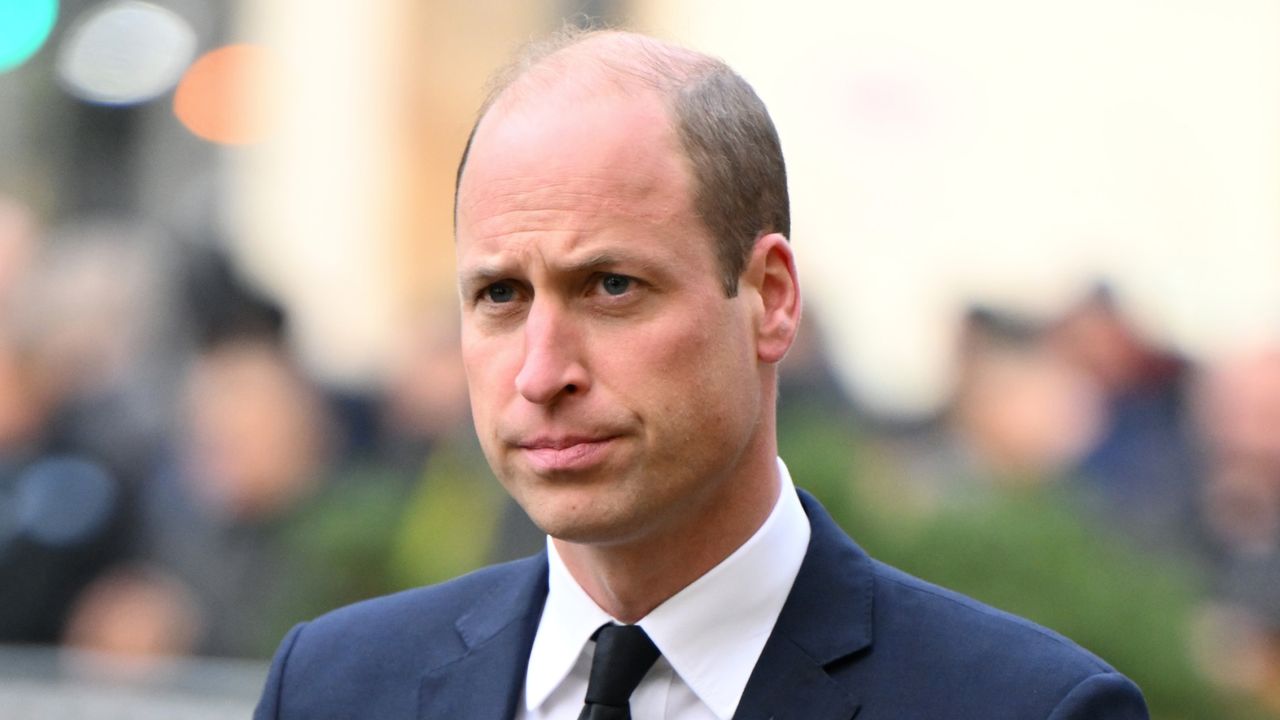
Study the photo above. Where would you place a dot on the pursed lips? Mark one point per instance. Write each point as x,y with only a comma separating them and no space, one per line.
551,454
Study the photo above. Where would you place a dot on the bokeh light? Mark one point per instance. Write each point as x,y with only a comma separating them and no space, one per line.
224,96
125,52
24,26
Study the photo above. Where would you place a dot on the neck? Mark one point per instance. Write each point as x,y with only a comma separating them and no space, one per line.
629,579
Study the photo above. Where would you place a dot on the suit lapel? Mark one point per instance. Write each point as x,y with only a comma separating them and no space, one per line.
485,679
827,617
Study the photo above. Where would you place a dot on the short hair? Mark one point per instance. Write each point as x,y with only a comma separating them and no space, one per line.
735,157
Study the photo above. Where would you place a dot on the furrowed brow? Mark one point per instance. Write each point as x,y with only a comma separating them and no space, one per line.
607,260
485,275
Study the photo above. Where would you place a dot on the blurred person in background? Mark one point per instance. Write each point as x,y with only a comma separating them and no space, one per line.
21,403
75,435
250,448
622,370
1019,417
245,447
17,248
1023,413
1142,467
1238,410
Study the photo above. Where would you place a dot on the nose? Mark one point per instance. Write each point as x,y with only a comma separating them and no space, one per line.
552,366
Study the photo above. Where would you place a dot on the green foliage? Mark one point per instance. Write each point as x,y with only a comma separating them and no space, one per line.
1029,554
450,522
337,546
374,531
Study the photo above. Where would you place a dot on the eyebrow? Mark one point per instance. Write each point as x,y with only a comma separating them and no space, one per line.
608,259
483,275
486,274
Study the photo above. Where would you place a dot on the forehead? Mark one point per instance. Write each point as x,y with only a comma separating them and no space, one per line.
569,159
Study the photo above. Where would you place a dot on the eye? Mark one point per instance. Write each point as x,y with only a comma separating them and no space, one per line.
499,292
615,284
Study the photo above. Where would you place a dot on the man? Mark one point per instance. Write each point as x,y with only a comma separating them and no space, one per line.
628,290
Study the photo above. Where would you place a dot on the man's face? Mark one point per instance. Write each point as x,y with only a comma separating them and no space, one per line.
615,389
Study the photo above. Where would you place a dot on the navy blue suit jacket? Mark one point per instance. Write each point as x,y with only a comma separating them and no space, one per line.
855,638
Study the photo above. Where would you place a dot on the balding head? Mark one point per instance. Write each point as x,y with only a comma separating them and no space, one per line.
729,141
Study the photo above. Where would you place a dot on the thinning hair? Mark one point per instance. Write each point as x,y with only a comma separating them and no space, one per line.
735,158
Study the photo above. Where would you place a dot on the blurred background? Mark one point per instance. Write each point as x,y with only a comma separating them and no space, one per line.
1040,245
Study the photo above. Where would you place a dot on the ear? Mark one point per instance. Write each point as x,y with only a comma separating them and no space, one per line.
771,275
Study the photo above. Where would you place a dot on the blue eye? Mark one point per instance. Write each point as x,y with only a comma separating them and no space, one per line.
615,284
500,293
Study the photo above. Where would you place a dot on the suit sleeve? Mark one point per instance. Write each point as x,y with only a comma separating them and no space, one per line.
269,704
1105,696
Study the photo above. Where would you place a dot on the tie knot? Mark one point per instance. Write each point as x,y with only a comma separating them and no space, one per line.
624,653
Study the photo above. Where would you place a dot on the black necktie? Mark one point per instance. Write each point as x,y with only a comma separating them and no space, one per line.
623,655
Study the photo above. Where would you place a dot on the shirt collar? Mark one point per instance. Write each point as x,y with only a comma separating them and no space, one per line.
569,618
711,632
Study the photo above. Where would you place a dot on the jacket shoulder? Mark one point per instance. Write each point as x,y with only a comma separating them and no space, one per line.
373,653
908,604
956,655
430,608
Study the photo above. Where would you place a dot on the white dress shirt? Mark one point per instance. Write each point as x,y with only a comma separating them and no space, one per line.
711,633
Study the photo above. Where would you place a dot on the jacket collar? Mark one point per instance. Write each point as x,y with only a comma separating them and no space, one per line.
827,617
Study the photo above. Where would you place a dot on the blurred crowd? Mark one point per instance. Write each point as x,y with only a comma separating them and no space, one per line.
1174,461
172,482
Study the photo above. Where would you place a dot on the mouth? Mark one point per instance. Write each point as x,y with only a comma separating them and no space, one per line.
568,454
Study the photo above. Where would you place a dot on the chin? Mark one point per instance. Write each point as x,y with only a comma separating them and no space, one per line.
575,525
578,520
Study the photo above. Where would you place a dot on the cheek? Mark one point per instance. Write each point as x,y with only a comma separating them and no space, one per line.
695,366
487,377
483,387
711,345
723,373
663,353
